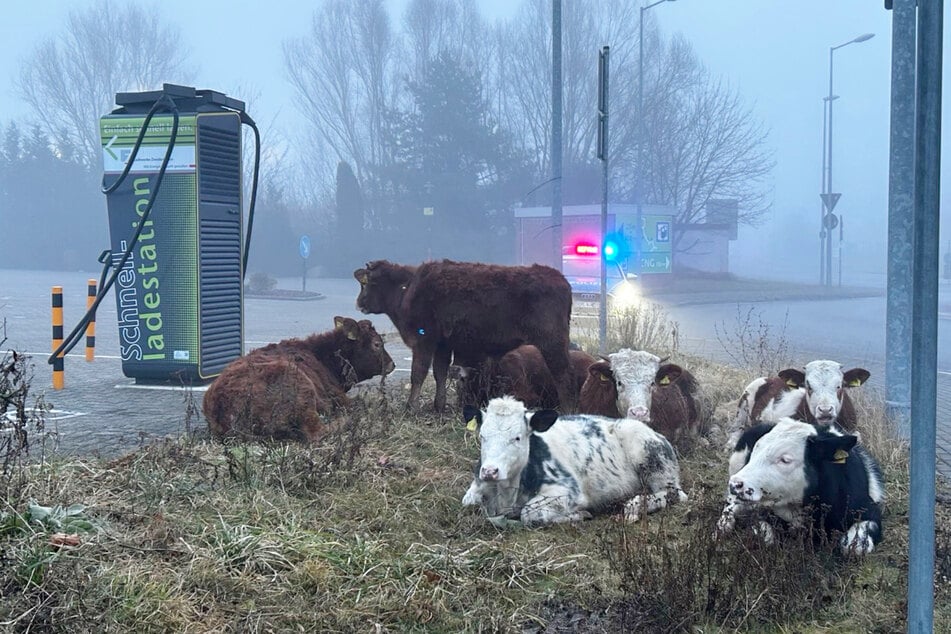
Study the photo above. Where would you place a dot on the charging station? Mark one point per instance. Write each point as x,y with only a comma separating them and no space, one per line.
173,180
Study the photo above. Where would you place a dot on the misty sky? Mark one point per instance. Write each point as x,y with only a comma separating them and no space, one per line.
775,52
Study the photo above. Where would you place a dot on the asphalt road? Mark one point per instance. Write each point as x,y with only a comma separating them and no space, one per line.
101,411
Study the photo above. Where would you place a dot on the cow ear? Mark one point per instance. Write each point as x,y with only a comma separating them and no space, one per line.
543,419
601,370
794,378
667,374
855,377
833,448
348,326
361,276
472,416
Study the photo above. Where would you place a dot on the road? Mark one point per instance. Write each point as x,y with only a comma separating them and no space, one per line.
851,331
101,411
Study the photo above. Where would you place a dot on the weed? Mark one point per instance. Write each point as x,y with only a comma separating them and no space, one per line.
753,344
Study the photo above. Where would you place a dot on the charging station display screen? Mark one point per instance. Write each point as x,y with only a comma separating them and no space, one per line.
157,287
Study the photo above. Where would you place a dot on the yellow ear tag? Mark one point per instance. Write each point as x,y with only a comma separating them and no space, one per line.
839,456
665,380
791,383
471,425
855,383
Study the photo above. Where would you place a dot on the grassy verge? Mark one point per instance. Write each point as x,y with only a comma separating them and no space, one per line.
366,533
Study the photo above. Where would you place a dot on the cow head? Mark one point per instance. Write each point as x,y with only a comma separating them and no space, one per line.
362,349
825,384
636,374
784,463
505,429
382,285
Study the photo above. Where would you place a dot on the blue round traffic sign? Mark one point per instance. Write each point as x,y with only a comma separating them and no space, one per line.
305,247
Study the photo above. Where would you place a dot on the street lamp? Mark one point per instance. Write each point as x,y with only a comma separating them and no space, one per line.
829,199
638,231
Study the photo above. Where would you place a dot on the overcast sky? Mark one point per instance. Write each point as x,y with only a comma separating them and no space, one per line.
775,52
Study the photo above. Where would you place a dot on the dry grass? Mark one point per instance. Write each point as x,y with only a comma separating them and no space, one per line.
365,533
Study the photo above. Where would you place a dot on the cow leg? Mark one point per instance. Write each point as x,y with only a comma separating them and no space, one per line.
440,372
647,504
553,505
858,540
556,357
422,358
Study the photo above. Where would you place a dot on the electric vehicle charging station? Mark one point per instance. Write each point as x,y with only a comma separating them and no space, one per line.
172,175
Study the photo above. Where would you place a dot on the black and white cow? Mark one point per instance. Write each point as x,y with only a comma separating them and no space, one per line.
807,476
543,472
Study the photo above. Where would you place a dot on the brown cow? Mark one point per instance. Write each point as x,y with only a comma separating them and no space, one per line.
521,373
284,390
634,384
817,395
474,311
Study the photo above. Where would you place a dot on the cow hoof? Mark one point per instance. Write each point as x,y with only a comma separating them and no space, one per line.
857,541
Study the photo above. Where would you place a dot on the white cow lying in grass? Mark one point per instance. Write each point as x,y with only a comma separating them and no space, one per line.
807,477
542,468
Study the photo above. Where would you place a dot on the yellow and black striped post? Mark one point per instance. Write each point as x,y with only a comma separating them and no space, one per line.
58,379
91,326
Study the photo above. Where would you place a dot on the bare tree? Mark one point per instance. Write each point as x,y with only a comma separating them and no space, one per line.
70,80
454,27
344,73
702,143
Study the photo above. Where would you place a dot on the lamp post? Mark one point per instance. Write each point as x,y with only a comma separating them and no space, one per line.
829,199
638,230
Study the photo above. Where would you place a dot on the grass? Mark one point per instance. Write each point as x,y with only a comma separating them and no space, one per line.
366,533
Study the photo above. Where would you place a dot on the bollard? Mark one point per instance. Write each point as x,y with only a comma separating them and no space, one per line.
91,326
57,303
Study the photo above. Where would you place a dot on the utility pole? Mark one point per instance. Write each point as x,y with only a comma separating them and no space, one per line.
603,68
556,149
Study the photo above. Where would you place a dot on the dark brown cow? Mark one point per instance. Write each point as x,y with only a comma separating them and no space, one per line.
473,311
285,390
521,373
634,384
818,395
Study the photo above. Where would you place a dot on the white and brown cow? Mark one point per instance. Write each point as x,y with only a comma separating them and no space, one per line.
543,469
807,476
817,395
636,384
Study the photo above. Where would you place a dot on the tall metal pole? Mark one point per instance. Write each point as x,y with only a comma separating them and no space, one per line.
901,192
829,175
641,171
822,205
924,318
604,94
556,148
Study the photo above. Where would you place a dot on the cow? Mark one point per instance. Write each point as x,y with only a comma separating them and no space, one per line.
521,373
285,390
636,384
807,476
542,468
818,396
472,311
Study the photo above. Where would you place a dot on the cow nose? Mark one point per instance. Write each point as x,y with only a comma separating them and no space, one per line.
639,413
736,486
489,474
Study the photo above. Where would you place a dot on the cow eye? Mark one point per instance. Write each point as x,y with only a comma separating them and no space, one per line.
785,459
620,387
517,439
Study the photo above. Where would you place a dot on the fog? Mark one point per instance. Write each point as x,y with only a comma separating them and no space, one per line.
772,57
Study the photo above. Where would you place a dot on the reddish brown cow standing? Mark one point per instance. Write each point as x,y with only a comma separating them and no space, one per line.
521,373
635,384
285,390
473,311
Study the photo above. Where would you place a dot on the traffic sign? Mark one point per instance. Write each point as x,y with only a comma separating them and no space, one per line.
829,201
305,246
830,221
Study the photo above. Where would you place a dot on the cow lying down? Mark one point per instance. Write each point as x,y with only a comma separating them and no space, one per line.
542,468
804,476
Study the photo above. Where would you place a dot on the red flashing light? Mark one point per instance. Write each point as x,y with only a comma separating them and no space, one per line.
586,249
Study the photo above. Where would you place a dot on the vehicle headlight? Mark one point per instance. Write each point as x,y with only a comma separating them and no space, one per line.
625,296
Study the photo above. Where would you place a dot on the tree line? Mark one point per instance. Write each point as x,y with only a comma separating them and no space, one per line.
426,130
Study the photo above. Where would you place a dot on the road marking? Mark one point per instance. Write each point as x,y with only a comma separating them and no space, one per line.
51,415
167,388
